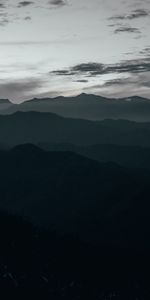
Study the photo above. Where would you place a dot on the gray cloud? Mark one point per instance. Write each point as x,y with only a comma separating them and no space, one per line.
130,77
4,18
58,3
93,69
25,3
135,14
145,51
137,80
27,18
82,81
25,88
119,82
61,72
4,21
127,29
2,5
90,68
137,84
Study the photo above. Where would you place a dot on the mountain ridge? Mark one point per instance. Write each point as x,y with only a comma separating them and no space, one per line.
126,156
86,106
37,127
74,193
79,96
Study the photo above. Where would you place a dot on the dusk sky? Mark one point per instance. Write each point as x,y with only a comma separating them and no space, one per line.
51,48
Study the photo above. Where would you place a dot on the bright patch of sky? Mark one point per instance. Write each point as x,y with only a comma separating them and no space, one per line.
38,39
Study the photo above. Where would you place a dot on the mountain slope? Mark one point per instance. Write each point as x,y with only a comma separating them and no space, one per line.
127,156
47,265
34,127
5,105
71,193
90,107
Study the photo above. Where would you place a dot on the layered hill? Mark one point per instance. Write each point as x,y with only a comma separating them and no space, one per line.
127,156
35,127
86,106
70,193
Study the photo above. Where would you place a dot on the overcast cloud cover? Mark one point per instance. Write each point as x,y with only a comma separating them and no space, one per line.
65,47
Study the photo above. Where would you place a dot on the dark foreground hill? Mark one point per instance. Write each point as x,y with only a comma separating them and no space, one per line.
34,127
35,264
92,239
70,193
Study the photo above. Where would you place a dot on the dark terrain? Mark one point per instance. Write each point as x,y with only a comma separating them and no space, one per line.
71,193
127,156
46,265
75,208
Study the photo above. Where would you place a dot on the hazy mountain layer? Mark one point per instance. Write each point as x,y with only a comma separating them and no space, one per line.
34,127
86,107
127,156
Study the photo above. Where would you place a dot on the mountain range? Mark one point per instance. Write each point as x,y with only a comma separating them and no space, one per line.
35,128
74,198
86,106
126,156
70,193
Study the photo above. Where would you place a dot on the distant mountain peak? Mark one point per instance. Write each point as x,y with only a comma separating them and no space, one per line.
84,94
88,95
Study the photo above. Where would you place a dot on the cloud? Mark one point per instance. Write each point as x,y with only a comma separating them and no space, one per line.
120,21
136,81
128,77
2,5
8,12
120,82
57,3
137,84
135,14
145,51
24,89
4,21
27,18
127,29
4,18
82,81
25,3
90,68
93,69
63,73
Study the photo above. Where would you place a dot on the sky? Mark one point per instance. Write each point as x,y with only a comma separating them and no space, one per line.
66,47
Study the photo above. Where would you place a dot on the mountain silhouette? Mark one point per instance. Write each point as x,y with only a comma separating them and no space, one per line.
70,193
5,105
72,227
87,106
127,156
39,263
35,128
